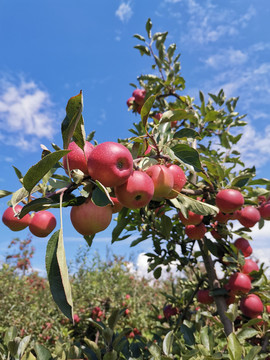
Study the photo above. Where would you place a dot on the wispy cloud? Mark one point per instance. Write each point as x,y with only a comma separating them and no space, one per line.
124,11
226,57
26,113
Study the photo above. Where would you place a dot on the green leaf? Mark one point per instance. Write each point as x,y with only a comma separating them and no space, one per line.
207,338
188,334
211,116
168,343
260,182
232,312
166,226
122,221
147,108
252,352
246,333
188,155
57,272
186,133
18,173
175,115
241,180
171,50
234,347
155,351
40,169
198,207
100,195
148,27
4,193
115,316
73,122
143,50
139,37
23,345
93,346
157,272
10,334
42,352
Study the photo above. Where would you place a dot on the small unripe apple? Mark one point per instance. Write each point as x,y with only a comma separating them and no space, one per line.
110,163
249,266
42,223
264,210
179,180
243,245
249,216
229,200
14,223
251,306
77,158
139,95
192,219
117,205
163,180
89,219
195,232
137,191
239,283
204,297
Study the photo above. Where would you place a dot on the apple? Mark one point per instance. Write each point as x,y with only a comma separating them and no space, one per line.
192,219
249,216
222,218
89,219
230,299
169,311
158,116
264,210
117,205
137,191
13,222
179,180
130,101
243,245
77,158
251,306
239,283
249,266
195,232
204,297
229,200
139,95
42,223
174,124
267,308
110,163
163,180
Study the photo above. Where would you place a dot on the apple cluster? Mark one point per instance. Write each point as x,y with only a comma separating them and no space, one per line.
40,224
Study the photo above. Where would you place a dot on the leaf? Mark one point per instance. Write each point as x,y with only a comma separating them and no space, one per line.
166,226
196,206
232,312
252,352
186,133
157,272
168,343
72,120
23,345
10,334
246,333
57,272
93,346
188,334
18,173
234,347
175,115
148,27
155,351
147,108
241,180
4,193
42,352
100,195
139,37
143,50
40,169
122,221
113,319
188,155
260,182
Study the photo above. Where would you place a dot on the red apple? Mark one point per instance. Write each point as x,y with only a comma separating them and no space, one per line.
250,266
243,245
192,219
229,200
222,218
195,232
169,311
251,306
204,297
158,116
264,210
267,308
137,191
117,205
139,95
14,223
77,158
42,223
249,216
130,101
110,163
163,180
89,219
179,180
239,283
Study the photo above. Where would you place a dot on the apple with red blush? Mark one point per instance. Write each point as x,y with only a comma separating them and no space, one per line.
229,200
249,216
77,158
13,222
42,223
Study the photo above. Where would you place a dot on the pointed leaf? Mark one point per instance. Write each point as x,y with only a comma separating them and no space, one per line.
18,173
175,115
4,193
147,108
42,352
148,27
122,221
168,343
198,207
188,155
10,334
234,347
40,169
186,133
100,195
252,352
57,272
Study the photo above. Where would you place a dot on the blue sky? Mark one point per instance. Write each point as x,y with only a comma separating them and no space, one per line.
51,50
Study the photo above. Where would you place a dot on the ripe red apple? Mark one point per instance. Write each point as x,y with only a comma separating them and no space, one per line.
195,232
169,311
137,191
267,308
77,158
14,223
264,210
110,163
89,219
251,306
130,101
179,180
192,219
139,95
249,266
163,180
249,216
239,283
117,205
222,218
42,223
204,297
243,245
229,200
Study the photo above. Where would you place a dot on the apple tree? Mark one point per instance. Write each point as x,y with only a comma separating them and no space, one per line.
177,180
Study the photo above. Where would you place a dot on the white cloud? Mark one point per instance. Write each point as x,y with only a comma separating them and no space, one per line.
226,57
173,1
25,113
124,12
